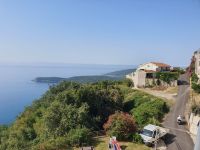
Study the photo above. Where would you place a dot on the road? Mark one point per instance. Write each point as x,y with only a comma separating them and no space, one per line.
179,139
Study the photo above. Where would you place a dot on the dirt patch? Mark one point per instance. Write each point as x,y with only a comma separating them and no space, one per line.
159,88
161,94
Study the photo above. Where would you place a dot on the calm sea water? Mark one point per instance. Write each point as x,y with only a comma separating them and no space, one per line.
17,90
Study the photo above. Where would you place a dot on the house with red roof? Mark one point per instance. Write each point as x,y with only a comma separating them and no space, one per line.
147,71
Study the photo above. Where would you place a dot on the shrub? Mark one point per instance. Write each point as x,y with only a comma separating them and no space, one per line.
158,82
179,70
167,76
194,78
121,125
150,112
196,109
128,83
3,136
79,136
196,87
137,138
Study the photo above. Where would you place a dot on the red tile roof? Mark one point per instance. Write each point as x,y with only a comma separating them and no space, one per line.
160,64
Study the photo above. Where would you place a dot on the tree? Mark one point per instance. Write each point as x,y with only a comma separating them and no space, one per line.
103,100
122,125
79,136
60,119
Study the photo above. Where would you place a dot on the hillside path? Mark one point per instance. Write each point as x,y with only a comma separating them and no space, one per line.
179,138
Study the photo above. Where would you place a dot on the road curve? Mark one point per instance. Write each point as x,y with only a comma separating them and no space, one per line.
179,139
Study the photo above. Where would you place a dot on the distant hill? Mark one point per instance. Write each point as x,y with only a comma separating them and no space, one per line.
80,79
117,75
121,73
48,79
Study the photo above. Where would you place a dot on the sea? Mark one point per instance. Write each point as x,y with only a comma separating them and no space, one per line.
18,90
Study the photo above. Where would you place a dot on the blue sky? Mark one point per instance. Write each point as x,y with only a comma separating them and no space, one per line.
99,31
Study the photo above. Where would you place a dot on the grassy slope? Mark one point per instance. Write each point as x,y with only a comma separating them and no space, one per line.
102,144
172,90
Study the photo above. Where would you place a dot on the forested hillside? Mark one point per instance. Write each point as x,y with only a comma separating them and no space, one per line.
79,79
112,76
67,115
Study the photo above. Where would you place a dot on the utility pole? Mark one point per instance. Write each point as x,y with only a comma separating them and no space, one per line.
156,140
197,144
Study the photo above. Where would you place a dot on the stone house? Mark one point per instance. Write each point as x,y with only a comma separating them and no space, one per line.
146,73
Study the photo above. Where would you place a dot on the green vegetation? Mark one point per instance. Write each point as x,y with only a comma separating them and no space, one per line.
167,76
179,70
145,108
113,76
68,114
196,109
196,88
79,79
102,144
122,125
194,78
150,112
137,138
195,84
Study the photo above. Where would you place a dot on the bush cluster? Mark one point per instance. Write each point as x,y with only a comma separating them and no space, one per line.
137,138
195,85
167,76
122,125
196,109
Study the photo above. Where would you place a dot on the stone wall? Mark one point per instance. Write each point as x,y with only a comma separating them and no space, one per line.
153,82
193,123
140,77
140,80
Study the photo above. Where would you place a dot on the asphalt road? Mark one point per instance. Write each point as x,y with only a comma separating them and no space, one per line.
179,139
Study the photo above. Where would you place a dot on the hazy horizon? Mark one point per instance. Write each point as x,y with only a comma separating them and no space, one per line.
59,64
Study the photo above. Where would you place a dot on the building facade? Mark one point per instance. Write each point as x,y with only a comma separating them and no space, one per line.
197,62
155,66
146,73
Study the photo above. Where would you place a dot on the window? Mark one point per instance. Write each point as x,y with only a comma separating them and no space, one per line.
147,133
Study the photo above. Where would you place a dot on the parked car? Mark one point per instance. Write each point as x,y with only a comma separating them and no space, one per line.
152,133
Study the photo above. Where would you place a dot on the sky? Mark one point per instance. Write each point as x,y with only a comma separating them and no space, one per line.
126,32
